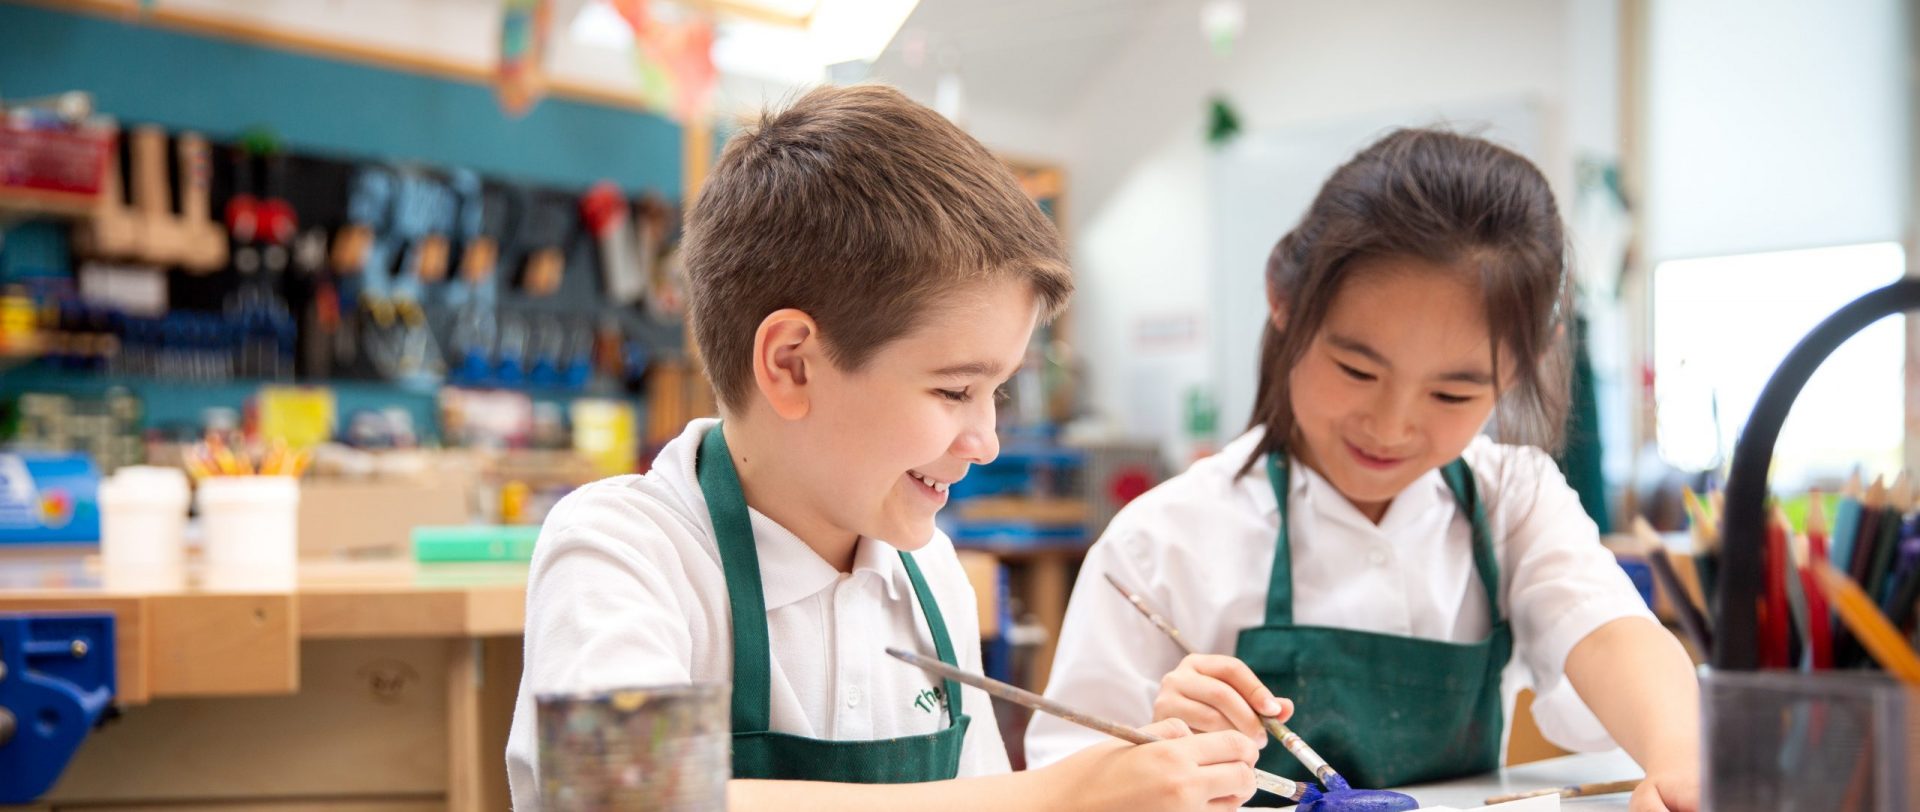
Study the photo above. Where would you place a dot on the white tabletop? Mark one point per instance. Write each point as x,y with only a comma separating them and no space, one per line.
1467,793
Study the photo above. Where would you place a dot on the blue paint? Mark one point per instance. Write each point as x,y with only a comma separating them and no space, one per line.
141,74
1337,782
1360,800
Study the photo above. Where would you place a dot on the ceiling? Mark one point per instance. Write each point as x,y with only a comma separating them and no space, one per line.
1028,56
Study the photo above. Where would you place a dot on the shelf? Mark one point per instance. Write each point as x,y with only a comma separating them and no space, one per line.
40,202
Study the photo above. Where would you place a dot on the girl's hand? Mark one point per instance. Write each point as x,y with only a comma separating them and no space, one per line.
1213,692
1677,791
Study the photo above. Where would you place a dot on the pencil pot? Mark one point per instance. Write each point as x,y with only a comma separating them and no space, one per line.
665,749
1781,739
1833,741
251,532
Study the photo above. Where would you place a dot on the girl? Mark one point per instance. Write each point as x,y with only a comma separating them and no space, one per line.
1362,551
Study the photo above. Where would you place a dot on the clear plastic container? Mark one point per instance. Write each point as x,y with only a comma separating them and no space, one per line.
143,526
1831,741
252,533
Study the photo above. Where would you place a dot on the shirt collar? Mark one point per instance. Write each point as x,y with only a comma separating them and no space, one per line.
790,571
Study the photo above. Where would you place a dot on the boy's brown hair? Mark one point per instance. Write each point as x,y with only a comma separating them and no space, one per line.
863,209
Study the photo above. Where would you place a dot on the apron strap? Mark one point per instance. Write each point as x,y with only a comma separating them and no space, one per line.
1280,582
937,624
733,534
1466,494
752,650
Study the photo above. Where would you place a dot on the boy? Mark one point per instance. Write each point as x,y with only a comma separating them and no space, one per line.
864,277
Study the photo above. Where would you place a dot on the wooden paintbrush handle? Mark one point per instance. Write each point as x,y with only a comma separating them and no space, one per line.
1284,787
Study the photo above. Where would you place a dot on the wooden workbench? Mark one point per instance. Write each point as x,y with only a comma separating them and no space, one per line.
374,686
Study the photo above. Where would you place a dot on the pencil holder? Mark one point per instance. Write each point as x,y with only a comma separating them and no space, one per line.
1828,741
666,749
1782,740
251,532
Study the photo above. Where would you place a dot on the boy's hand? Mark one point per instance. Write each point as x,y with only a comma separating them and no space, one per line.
1213,692
1184,771
1667,792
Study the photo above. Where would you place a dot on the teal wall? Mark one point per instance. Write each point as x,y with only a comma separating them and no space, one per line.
141,74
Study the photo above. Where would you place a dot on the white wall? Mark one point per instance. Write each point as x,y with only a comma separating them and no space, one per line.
1775,124
1140,218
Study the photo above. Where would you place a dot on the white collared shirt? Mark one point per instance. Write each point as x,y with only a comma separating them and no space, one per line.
1201,545
626,589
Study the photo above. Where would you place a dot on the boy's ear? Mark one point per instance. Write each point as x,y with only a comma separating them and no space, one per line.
784,348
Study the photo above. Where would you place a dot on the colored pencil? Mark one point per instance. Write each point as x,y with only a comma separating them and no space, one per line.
1820,635
1846,522
1775,622
1289,739
1283,787
1873,629
1802,625
1846,649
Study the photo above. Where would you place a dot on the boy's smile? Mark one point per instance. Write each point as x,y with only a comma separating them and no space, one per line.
872,452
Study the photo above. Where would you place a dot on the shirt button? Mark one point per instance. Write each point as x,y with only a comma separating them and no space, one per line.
1378,558
853,697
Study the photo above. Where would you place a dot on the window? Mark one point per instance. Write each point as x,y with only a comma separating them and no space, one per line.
1721,325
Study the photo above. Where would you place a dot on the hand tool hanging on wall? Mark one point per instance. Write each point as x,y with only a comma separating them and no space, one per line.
403,348
362,262
471,294
111,230
622,275
202,240
546,221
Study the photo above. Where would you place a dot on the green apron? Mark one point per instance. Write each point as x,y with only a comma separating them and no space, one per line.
1385,711
757,751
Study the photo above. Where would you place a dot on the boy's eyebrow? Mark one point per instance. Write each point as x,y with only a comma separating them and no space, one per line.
1470,376
971,369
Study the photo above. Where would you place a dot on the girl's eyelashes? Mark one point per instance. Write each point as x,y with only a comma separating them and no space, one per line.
1451,400
1001,395
1354,373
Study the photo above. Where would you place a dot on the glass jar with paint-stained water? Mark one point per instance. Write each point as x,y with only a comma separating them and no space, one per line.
663,748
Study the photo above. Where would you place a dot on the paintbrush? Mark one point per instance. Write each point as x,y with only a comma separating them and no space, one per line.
1575,791
1283,787
1291,740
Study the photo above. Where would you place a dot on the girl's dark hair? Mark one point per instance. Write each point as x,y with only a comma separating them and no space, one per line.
1450,200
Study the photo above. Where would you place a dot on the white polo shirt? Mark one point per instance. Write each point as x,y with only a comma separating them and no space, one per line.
626,589
1200,546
